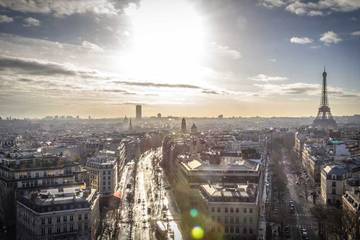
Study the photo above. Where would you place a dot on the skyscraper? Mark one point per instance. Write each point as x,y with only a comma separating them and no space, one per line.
324,119
183,125
138,112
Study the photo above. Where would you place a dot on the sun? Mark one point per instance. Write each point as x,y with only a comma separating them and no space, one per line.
167,42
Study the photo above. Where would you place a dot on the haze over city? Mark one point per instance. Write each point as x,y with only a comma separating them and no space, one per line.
181,58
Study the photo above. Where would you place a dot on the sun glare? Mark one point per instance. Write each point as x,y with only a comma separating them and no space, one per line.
167,41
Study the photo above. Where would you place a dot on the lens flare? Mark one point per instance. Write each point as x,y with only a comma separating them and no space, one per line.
194,213
197,232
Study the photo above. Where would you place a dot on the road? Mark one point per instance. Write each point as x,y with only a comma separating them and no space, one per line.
151,201
302,217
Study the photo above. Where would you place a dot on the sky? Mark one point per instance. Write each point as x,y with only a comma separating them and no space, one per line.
178,57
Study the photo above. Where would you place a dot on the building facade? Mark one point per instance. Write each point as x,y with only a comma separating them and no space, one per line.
234,208
332,187
102,170
58,213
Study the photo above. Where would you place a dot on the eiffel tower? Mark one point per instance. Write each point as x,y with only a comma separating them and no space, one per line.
324,119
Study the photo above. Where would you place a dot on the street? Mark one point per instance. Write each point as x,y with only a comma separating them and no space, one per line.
146,200
299,224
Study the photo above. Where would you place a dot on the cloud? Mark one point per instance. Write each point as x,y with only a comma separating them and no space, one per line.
210,92
265,78
118,91
92,46
289,89
36,67
313,8
272,3
31,22
356,33
6,19
226,51
330,37
161,85
61,7
307,89
301,40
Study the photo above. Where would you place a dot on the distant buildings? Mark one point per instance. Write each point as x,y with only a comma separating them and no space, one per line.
58,213
183,125
194,129
138,112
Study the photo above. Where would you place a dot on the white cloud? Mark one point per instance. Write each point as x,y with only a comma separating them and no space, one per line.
31,22
313,8
356,33
272,3
301,40
92,46
5,19
265,78
305,89
60,7
330,37
226,51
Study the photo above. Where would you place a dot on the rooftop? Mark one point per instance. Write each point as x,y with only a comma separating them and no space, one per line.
78,196
229,193
227,164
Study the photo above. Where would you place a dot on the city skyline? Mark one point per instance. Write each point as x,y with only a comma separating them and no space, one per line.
236,58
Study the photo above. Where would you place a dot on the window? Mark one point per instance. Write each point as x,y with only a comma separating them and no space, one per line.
65,218
226,209
245,230
231,229
212,209
71,227
58,219
334,184
43,221
236,210
58,229
250,210
226,220
245,210
80,217
64,228
71,218
231,210
49,230
250,231
218,209
86,216
237,230
49,220
79,227
237,220
43,231
231,220
333,191
244,220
